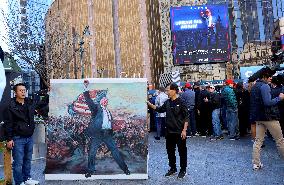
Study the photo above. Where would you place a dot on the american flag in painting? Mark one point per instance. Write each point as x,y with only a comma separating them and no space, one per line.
79,106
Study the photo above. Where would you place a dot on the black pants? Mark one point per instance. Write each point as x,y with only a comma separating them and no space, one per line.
243,121
171,141
206,127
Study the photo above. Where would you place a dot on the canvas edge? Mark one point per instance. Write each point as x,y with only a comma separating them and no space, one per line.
94,177
100,80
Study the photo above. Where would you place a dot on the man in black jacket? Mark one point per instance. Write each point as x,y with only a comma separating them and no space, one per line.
19,128
215,103
176,127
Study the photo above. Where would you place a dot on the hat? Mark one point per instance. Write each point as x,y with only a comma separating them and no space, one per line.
187,85
229,81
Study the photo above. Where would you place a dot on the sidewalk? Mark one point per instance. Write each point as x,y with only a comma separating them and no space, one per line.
209,162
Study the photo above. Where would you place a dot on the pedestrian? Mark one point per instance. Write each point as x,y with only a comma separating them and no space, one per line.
264,111
231,105
159,101
243,108
100,130
276,89
188,96
251,82
215,101
196,89
176,127
19,128
205,112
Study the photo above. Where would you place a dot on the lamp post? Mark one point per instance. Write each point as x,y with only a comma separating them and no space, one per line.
81,49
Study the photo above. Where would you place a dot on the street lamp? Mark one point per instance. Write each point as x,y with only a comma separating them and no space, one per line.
86,32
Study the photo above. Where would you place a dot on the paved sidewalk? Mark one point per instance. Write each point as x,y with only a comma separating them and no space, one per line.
209,162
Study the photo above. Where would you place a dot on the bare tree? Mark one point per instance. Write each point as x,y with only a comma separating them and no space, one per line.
25,38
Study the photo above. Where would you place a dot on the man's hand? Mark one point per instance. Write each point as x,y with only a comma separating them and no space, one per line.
183,134
86,83
10,144
151,105
281,96
205,99
198,111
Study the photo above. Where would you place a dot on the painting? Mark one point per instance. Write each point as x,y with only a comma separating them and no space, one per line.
97,129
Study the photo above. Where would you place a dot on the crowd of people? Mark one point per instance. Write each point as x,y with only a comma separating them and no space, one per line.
215,110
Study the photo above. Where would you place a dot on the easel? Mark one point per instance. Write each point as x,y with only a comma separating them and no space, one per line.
7,165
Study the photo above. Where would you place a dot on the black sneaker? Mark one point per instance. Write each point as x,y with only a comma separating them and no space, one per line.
157,138
181,174
234,138
127,172
220,137
89,174
171,172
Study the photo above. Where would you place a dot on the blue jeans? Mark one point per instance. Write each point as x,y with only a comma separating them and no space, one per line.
216,122
232,121
192,123
22,156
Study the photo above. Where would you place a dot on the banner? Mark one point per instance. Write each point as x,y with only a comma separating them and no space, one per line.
98,132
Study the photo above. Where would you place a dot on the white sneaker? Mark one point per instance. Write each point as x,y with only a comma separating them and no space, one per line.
257,167
30,181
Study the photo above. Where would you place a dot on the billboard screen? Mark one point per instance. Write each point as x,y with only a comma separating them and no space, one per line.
200,34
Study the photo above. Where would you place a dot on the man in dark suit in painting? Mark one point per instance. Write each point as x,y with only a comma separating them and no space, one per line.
100,129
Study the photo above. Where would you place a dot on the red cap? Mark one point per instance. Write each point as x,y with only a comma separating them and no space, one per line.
229,81
187,85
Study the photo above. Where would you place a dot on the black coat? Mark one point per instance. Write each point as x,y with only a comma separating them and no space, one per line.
16,123
96,122
176,115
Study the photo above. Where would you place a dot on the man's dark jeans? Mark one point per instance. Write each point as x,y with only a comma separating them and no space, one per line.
191,130
160,126
233,122
22,156
105,136
171,141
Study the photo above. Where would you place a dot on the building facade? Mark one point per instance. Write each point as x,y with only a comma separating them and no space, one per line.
126,38
110,38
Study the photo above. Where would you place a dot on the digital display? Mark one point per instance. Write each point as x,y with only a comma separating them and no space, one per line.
200,34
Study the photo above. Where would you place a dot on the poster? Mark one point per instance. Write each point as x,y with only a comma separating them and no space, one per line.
97,129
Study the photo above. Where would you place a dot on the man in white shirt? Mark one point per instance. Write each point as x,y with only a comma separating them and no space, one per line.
160,100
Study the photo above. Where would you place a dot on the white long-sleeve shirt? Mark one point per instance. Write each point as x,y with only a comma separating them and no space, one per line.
106,119
160,100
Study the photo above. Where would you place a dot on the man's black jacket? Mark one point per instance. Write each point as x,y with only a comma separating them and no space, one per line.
176,115
16,122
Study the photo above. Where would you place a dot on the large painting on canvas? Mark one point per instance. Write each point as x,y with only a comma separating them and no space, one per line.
97,129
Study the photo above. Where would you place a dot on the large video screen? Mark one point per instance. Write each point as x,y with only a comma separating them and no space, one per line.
200,34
